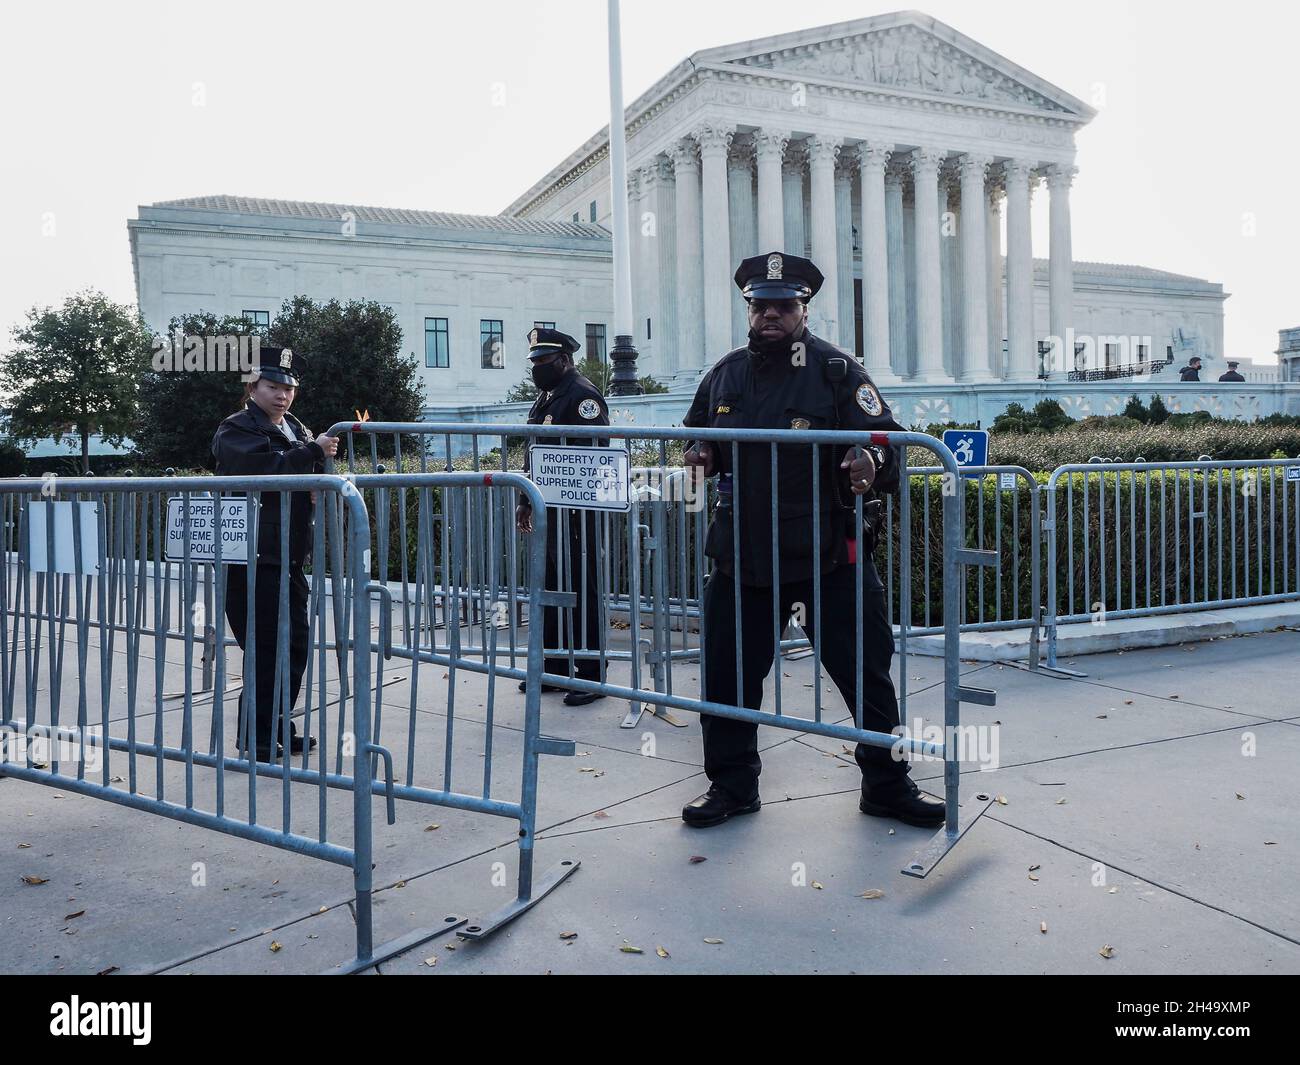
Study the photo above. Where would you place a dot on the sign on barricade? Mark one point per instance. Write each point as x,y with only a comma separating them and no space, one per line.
581,478
202,524
40,514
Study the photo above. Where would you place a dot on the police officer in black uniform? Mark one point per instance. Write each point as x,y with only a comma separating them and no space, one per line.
787,378
1232,377
265,439
567,398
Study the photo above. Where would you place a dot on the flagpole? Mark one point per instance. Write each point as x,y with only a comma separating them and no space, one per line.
624,353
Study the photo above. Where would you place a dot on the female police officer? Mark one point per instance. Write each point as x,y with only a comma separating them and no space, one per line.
265,439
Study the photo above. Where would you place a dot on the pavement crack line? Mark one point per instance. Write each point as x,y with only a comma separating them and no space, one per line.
1144,879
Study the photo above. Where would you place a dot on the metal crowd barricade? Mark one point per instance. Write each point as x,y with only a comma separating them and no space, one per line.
86,590
1143,539
647,528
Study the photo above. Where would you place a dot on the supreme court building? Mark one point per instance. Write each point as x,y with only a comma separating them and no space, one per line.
893,151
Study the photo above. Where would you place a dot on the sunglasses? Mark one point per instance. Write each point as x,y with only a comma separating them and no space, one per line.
761,306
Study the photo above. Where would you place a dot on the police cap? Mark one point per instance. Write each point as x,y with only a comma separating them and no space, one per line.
543,342
281,364
777,276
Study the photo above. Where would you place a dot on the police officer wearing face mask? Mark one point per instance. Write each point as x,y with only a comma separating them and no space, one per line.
567,398
787,378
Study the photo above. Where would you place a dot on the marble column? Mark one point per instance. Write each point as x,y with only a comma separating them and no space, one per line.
929,296
635,257
663,197
823,152
897,260
792,181
976,365
996,291
949,240
646,303
1022,348
744,239
770,145
690,273
1061,264
714,142
844,252
874,236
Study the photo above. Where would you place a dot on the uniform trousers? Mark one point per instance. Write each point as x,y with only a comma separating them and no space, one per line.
731,747
583,622
266,636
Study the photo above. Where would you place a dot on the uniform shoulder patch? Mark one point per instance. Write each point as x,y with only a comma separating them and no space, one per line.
589,409
869,400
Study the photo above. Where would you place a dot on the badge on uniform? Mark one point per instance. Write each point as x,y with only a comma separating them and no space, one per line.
286,359
775,268
549,420
589,409
869,400
801,424
724,410
532,337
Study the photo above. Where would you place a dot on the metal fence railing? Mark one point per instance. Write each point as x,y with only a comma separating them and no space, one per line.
651,571
1149,538
103,620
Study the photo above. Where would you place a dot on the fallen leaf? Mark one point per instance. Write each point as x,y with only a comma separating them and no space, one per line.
431,961
697,858
1270,844
74,916
433,828
600,815
450,946
590,769
1002,800
1175,696
1102,717
713,942
568,935
1239,795
892,832
816,886
400,884
276,948
627,948
1034,868
1113,891
107,972
1128,702
1061,802
322,909
1107,952
662,953
34,880
1033,878
1043,928
874,893
24,846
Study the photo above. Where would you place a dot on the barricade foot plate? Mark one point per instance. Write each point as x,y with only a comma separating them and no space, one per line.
928,858
1059,671
633,716
398,946
547,883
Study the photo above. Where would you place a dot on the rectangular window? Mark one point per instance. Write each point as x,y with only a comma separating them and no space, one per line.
593,210
491,335
1112,356
437,344
1143,353
577,217
259,318
543,325
596,343
649,331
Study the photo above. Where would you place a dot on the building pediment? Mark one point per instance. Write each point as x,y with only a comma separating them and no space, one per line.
905,53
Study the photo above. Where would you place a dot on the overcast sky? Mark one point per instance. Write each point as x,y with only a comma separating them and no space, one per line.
107,106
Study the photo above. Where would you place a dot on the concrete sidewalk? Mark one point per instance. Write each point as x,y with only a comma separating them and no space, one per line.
1149,807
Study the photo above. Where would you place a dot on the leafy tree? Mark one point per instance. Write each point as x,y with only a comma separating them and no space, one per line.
1158,412
1050,417
13,461
1015,419
1137,410
77,370
164,439
354,362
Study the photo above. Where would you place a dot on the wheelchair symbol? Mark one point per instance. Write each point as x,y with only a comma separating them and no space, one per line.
964,452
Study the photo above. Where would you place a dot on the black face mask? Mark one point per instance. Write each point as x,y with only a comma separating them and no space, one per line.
770,349
548,375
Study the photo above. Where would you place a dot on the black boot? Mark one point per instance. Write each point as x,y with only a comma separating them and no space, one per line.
903,801
715,806
581,698
523,687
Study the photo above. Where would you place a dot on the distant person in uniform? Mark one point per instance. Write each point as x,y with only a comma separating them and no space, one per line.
1191,372
787,378
1232,377
265,439
568,398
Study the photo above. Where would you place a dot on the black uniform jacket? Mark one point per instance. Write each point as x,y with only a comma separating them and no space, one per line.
247,444
575,401
826,389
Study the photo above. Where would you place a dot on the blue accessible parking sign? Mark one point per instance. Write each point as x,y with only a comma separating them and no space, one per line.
969,446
